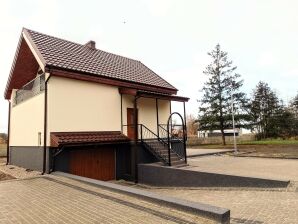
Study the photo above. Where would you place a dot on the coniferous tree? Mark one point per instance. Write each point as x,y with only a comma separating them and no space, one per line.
223,87
265,109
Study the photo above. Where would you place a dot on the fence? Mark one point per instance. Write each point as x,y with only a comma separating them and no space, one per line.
194,140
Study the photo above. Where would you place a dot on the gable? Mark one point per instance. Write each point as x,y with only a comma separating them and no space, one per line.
24,68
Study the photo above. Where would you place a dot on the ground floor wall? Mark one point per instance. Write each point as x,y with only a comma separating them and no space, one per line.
29,157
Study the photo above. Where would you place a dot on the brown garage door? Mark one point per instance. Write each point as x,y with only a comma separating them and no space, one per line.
93,163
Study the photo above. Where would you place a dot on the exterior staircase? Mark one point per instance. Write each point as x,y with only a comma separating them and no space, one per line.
162,148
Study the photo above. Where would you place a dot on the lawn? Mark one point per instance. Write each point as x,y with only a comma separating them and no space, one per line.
270,142
277,148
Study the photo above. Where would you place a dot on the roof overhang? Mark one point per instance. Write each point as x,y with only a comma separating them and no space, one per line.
108,81
155,95
26,62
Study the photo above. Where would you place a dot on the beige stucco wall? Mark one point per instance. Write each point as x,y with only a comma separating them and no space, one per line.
26,120
146,111
75,105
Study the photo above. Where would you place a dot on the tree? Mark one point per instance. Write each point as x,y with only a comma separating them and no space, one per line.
222,87
265,109
294,106
192,125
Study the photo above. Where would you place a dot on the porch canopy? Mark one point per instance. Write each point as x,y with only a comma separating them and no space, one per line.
147,94
59,139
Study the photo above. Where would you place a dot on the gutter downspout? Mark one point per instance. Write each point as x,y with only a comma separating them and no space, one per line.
8,135
45,125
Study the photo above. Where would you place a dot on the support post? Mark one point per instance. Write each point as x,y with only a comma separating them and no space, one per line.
8,134
157,118
121,113
136,138
185,133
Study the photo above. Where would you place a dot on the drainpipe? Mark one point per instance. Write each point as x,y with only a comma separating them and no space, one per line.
8,134
45,125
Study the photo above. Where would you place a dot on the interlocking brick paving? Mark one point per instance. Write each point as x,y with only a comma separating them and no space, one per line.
247,206
54,199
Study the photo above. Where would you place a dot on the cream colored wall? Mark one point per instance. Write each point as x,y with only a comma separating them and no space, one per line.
146,111
164,110
75,105
26,120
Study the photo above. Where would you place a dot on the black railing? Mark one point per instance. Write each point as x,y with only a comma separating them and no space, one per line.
177,144
152,142
30,89
163,146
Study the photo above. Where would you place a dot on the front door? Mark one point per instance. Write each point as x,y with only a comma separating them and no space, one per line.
130,123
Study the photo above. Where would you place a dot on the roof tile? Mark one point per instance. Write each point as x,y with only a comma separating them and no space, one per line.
72,138
68,55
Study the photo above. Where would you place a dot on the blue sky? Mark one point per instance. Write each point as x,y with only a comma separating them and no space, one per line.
171,37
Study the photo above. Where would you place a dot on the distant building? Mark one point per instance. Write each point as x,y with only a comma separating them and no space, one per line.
215,133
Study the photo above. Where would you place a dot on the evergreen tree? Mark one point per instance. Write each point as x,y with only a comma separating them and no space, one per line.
223,87
265,109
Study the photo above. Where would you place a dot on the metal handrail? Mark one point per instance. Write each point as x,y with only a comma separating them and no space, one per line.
172,136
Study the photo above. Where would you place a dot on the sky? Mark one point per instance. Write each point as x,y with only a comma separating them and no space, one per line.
172,37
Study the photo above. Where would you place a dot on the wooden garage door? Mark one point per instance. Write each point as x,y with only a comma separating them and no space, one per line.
93,163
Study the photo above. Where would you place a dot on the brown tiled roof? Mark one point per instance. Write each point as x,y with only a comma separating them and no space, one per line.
73,138
63,54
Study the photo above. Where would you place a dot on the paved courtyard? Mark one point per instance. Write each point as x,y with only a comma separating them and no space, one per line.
283,169
256,206
53,199
247,206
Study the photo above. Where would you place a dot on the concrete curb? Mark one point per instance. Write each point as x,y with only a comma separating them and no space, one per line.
262,157
220,215
152,174
209,154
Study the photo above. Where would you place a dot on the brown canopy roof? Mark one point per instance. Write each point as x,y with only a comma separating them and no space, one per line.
96,137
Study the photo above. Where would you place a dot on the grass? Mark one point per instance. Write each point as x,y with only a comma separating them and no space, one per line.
270,142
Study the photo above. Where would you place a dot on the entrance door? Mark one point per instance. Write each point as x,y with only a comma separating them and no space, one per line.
130,123
93,163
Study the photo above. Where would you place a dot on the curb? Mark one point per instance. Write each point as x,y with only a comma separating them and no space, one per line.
209,154
220,215
263,157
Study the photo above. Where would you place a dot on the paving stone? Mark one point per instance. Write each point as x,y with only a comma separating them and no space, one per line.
62,200
247,206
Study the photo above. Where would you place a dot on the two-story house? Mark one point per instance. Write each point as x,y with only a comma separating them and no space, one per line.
81,110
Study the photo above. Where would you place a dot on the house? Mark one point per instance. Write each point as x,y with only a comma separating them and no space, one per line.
78,109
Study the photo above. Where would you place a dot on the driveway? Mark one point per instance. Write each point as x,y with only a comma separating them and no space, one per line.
52,199
282,169
247,206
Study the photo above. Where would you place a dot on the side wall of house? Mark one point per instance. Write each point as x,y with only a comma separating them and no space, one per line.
26,144
75,105
26,121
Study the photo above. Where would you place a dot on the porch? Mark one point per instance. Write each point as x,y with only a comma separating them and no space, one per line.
146,118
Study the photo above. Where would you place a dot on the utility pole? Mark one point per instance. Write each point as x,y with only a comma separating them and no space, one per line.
235,144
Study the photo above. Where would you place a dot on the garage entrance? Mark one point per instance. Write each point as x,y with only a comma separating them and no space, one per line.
97,163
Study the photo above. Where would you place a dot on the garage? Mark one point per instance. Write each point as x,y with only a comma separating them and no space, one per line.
97,155
96,163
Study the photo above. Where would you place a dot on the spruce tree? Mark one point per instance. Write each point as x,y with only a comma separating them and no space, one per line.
222,87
